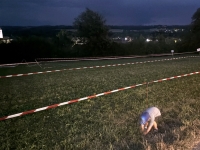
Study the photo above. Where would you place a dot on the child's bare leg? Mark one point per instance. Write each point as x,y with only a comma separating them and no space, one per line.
146,125
155,125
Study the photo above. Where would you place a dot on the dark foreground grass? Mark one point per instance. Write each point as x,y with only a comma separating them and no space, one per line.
106,122
44,66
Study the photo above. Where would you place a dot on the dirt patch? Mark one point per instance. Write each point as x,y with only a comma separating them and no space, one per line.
197,146
172,134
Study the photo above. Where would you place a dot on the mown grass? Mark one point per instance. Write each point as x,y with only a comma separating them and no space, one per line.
106,122
75,64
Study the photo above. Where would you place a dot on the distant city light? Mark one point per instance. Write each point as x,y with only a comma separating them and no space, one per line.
1,33
148,40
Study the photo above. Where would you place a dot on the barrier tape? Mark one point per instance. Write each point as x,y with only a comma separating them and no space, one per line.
92,67
92,96
15,64
22,63
94,58
115,57
106,58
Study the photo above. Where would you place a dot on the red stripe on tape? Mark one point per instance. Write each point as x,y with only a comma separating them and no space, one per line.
27,112
133,86
3,118
73,101
93,96
121,89
52,106
107,92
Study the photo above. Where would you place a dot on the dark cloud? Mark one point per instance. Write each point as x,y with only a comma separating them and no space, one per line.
116,12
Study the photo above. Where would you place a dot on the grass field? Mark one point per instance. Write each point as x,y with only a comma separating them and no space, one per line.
109,122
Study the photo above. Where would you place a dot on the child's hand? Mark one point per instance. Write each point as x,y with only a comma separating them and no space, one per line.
145,132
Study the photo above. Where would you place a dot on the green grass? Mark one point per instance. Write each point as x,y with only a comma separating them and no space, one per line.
106,122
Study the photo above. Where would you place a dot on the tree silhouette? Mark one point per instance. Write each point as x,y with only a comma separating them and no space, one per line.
196,21
195,28
93,31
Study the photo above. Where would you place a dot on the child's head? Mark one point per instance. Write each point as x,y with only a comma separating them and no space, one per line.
144,118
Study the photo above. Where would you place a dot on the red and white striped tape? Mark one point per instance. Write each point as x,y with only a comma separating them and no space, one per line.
93,58
105,58
15,64
71,59
116,57
92,96
92,67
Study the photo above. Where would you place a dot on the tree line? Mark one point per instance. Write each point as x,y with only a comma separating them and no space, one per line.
94,41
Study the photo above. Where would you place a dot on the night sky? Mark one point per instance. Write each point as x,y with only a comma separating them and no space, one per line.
116,12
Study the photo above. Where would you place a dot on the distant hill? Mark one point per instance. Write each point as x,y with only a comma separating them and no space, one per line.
48,31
